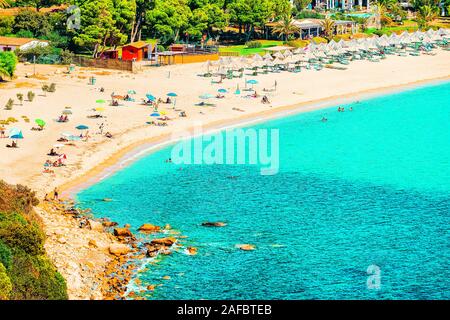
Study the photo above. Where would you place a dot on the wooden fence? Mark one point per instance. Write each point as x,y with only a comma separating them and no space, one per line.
114,64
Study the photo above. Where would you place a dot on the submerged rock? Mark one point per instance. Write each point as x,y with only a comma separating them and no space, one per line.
169,241
246,247
192,250
214,224
149,228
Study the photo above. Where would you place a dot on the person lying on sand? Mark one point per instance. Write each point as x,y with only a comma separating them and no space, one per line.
265,100
220,96
2,133
108,135
237,109
12,145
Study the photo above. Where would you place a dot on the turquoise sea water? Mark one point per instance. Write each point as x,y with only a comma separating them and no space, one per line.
367,187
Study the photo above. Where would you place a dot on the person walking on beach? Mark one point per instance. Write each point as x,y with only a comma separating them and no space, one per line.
55,194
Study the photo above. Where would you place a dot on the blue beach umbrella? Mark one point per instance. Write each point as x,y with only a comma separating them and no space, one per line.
82,127
150,97
155,114
252,81
222,90
172,94
15,133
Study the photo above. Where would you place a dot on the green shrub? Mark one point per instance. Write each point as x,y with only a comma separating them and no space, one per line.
35,278
5,255
52,87
6,24
5,284
25,272
161,48
30,96
66,57
25,236
253,44
9,104
320,40
297,43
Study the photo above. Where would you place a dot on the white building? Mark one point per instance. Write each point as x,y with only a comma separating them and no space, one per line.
11,44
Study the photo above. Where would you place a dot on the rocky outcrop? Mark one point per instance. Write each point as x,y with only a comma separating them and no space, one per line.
169,241
95,225
122,232
119,249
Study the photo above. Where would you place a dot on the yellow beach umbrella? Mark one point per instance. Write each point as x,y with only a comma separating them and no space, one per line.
99,109
163,113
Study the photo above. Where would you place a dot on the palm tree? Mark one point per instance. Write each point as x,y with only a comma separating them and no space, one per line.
286,27
425,15
328,27
4,3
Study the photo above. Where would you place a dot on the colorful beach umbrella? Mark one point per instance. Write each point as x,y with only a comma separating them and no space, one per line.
15,133
82,127
40,122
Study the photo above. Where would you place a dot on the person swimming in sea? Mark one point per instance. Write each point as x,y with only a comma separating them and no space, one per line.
351,109
324,119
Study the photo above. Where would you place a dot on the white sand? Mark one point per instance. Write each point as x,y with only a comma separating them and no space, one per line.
128,123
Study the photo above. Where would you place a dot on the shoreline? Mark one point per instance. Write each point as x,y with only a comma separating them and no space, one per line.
67,243
131,153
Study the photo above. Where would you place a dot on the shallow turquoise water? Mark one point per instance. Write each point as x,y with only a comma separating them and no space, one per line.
371,186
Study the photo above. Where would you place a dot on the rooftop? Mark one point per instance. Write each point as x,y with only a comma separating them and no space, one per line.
11,41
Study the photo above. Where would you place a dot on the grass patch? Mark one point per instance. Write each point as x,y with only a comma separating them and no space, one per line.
242,50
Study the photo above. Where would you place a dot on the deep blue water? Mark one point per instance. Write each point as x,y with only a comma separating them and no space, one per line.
367,187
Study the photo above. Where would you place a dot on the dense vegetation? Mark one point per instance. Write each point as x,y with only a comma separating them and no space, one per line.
96,25
25,271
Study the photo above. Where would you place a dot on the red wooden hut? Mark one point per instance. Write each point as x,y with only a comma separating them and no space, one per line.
135,51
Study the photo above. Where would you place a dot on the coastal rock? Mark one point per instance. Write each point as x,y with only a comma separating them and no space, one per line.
169,241
119,249
214,224
95,225
166,278
122,232
246,247
151,287
167,227
109,224
149,228
93,243
192,250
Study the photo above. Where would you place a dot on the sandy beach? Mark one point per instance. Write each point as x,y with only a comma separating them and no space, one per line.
90,160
